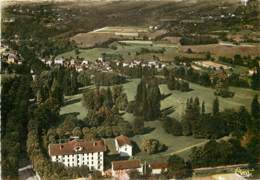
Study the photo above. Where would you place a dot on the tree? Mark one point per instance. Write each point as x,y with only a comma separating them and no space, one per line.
77,132
219,153
152,146
141,99
255,79
147,100
66,128
215,107
203,110
83,79
138,125
178,168
57,91
122,102
186,127
172,126
255,107
76,51
108,101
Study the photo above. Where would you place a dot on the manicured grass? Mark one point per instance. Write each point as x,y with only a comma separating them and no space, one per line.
175,144
243,97
179,145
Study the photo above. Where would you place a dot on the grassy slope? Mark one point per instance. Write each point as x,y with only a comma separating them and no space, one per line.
124,50
180,145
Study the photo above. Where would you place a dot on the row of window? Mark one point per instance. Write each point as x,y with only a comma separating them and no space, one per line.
67,156
90,167
78,161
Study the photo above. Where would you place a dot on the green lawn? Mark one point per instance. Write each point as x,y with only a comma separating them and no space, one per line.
179,145
127,51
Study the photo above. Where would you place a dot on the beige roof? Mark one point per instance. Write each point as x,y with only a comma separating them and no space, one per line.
127,164
77,147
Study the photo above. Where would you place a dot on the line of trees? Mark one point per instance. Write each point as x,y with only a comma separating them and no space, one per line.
241,61
136,71
198,40
15,94
176,84
147,100
108,79
197,122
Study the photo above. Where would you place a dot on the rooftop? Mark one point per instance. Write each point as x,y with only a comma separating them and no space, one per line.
158,165
76,147
122,140
126,164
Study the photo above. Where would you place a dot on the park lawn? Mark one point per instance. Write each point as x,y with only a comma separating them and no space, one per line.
127,51
177,99
181,145
176,144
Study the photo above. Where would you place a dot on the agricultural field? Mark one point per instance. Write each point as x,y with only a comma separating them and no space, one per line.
89,40
105,34
178,145
225,49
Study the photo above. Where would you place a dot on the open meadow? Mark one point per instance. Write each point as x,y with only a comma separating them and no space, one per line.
130,50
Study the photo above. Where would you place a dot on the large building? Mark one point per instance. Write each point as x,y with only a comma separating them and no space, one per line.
123,146
77,153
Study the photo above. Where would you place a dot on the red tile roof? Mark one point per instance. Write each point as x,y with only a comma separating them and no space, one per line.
127,164
77,147
122,140
158,165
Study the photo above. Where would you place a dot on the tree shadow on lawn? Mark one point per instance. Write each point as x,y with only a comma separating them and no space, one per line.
164,96
147,130
72,101
136,148
167,111
71,114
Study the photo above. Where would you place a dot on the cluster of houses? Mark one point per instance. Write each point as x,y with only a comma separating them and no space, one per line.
212,65
78,152
101,65
80,64
154,63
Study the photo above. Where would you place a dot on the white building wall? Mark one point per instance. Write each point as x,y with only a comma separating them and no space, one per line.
156,171
92,160
125,150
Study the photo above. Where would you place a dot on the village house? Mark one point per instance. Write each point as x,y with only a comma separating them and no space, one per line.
158,168
76,153
59,61
123,146
121,168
